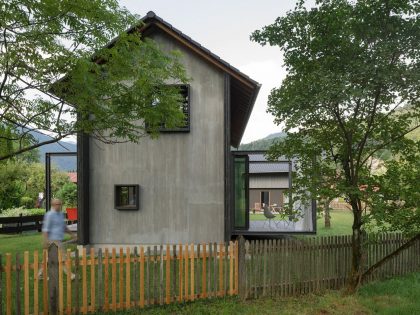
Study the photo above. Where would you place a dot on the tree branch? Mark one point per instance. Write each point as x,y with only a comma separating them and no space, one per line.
388,142
396,252
34,146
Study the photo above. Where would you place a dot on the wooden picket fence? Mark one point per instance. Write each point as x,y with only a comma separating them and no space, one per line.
286,267
111,280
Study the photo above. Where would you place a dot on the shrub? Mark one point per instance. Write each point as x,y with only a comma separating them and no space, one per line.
68,194
15,212
27,202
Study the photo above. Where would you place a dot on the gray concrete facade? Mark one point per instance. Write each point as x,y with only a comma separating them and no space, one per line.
181,175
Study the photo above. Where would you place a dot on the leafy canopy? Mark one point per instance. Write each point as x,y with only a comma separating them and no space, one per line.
54,65
351,65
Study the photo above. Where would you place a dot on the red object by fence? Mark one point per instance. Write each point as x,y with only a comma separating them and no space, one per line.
71,214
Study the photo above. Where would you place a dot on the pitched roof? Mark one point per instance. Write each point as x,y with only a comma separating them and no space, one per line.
73,177
243,89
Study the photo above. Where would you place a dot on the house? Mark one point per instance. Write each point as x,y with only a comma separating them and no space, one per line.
268,181
72,177
187,185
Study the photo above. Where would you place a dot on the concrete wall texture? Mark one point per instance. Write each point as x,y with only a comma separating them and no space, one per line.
181,175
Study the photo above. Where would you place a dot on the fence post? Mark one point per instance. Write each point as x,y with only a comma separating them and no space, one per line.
20,224
241,267
53,277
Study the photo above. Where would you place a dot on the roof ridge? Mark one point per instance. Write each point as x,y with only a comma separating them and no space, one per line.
153,15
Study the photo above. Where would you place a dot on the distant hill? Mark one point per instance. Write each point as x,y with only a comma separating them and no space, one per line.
63,163
263,144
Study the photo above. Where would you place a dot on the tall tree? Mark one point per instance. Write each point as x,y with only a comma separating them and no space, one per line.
57,61
351,65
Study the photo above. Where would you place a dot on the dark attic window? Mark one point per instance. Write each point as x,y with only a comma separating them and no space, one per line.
126,197
184,89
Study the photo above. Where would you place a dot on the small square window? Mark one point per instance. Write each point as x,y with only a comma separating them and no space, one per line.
127,197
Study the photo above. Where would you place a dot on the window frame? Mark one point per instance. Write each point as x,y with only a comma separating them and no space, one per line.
188,113
117,189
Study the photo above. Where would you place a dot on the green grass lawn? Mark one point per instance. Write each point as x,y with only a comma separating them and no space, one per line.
396,296
341,222
18,243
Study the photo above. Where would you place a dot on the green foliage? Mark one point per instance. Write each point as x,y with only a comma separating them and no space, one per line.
27,202
56,63
21,179
11,141
15,212
68,194
12,177
350,65
396,205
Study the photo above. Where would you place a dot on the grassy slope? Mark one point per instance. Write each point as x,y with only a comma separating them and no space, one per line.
395,296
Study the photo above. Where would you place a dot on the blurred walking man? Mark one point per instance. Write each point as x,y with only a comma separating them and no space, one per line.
54,227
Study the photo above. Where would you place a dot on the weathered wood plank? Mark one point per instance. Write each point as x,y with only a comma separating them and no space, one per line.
60,283
100,286
84,282
52,278
155,275
8,269
231,271
215,290
168,275
68,283
161,286
148,284
92,280
121,279
192,280
197,271
141,276
135,277
186,273
77,281
203,272
209,275
106,280
114,279
174,273
221,289
127,278
181,275
26,282
36,283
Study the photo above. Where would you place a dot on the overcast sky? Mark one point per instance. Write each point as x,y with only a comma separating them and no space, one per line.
224,27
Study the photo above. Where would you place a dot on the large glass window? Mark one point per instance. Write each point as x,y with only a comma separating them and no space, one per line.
241,192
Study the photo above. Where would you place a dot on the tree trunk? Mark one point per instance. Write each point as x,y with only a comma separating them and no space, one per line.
357,249
327,216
